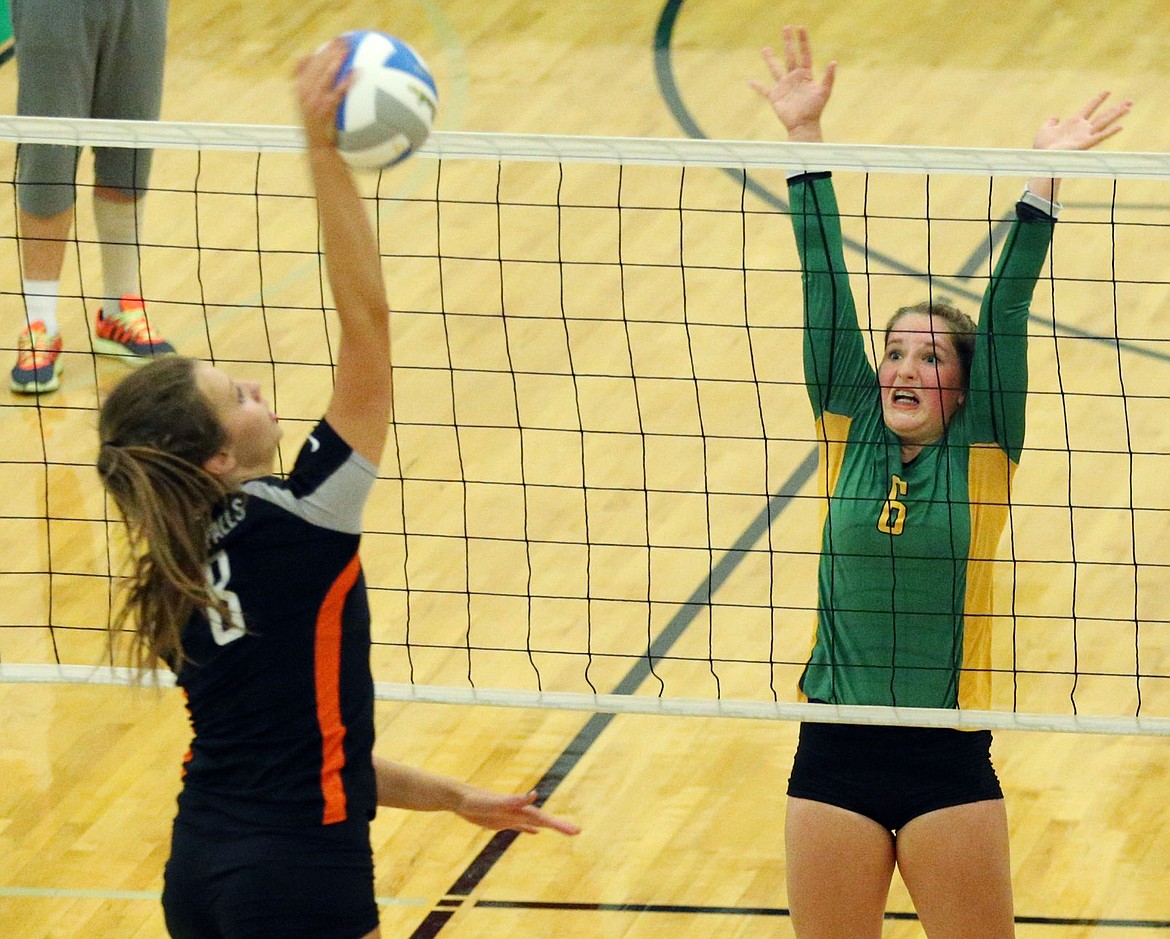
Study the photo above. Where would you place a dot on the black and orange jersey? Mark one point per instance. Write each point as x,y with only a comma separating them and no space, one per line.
280,693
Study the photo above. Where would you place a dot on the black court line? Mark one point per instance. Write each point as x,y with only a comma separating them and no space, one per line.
698,601
779,911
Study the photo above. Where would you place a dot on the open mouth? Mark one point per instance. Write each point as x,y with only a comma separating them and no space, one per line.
904,396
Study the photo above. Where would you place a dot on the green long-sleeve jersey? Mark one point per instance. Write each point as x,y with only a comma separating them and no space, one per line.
904,605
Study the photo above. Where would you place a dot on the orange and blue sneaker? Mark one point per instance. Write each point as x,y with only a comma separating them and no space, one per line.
38,361
128,333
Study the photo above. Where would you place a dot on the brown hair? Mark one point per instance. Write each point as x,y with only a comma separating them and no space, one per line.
156,430
961,327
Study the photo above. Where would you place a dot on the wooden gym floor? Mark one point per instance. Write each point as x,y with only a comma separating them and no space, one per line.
682,817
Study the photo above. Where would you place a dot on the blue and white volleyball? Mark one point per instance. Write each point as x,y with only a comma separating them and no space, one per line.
390,108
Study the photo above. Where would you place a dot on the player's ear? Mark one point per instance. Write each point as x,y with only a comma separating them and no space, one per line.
220,464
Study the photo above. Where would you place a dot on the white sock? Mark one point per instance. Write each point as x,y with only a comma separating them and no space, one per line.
119,227
40,303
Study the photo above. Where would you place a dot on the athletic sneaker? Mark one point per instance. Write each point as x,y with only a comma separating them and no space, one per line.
38,361
128,333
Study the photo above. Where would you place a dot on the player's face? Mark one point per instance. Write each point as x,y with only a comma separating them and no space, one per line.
921,379
251,426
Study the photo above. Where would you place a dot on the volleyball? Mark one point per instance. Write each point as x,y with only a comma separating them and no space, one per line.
390,108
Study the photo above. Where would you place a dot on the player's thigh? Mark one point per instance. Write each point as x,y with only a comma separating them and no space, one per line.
128,86
55,62
956,864
129,80
56,58
839,865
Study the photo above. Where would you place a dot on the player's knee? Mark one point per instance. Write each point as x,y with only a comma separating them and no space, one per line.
122,170
46,179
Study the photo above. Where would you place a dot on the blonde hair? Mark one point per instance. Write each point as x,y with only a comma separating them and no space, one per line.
156,430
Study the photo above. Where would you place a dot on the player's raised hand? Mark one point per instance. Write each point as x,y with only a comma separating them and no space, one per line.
1083,130
319,93
796,96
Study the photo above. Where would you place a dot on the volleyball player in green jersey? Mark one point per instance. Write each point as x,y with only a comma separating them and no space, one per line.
916,461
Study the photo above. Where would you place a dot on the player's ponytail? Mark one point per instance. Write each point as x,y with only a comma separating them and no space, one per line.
156,431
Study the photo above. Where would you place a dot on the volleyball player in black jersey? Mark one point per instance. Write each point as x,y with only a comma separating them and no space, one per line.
250,588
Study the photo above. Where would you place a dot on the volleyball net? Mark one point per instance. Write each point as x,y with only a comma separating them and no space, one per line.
599,492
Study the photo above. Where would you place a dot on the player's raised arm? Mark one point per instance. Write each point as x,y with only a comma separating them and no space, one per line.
360,407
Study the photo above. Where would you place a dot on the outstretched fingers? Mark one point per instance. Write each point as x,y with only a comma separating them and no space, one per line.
805,49
498,812
796,96
789,49
1104,125
827,80
797,55
1095,102
772,62
1084,129
536,819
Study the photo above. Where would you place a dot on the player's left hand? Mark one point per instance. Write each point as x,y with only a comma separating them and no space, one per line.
1083,130
498,812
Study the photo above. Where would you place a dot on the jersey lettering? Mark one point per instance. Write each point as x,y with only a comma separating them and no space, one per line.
219,572
893,517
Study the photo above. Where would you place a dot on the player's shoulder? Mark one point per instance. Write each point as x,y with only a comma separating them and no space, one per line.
327,487
324,451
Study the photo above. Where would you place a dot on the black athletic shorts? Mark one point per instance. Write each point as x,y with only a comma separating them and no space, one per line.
892,774
297,884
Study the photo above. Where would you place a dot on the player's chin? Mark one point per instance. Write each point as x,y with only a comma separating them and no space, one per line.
899,420
912,426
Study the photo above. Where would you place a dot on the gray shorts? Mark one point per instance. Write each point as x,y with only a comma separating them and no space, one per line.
86,58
